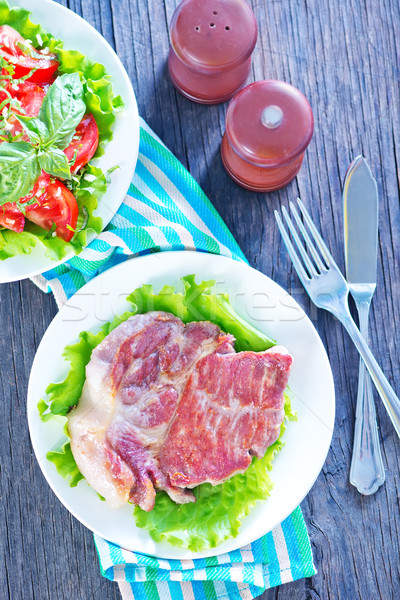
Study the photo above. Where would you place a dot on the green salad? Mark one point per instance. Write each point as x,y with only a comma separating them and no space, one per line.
57,108
219,510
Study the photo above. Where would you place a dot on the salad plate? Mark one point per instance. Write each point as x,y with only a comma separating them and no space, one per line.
121,151
263,304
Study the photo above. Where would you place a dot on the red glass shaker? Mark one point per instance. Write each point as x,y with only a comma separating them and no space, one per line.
211,46
269,124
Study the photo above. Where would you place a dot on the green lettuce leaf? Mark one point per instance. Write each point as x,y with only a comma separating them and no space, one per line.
204,305
199,303
103,104
219,510
168,300
87,194
14,244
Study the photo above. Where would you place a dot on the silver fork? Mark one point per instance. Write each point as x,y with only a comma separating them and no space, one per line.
329,290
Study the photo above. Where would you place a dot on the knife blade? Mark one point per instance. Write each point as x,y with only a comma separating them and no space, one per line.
360,205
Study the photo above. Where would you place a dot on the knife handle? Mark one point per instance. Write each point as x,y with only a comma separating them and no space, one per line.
385,390
367,473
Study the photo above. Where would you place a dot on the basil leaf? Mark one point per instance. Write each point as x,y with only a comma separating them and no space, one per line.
54,162
19,169
62,109
35,129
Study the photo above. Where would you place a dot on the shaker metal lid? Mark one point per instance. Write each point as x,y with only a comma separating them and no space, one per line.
269,123
211,34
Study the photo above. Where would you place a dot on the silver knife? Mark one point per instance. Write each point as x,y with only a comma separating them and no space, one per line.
360,205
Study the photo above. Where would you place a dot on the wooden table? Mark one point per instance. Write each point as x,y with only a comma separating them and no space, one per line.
344,56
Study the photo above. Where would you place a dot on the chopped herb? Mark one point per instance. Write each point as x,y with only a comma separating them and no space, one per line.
73,159
52,232
109,171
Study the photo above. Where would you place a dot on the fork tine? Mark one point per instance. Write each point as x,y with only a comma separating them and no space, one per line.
316,256
318,239
304,255
292,252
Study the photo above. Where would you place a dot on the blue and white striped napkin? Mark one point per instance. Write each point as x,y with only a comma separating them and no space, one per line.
282,555
165,210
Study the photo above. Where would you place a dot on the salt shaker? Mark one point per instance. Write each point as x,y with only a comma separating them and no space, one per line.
211,46
269,124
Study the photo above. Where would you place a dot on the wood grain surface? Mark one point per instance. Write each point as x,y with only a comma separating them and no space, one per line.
344,56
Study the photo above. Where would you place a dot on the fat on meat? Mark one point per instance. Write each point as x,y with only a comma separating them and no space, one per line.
169,406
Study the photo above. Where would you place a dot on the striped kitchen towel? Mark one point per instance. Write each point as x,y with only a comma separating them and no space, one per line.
282,555
164,210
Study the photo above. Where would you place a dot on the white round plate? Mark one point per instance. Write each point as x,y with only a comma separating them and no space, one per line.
264,304
122,150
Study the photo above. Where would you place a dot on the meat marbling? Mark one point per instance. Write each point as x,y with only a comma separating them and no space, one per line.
169,406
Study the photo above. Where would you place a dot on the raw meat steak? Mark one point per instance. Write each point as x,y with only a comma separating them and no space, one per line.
134,381
231,409
168,406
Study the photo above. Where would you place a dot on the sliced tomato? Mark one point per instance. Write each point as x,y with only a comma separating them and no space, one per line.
25,58
29,95
11,217
38,192
84,142
59,207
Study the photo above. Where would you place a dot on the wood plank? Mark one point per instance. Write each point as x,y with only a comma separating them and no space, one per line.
345,57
